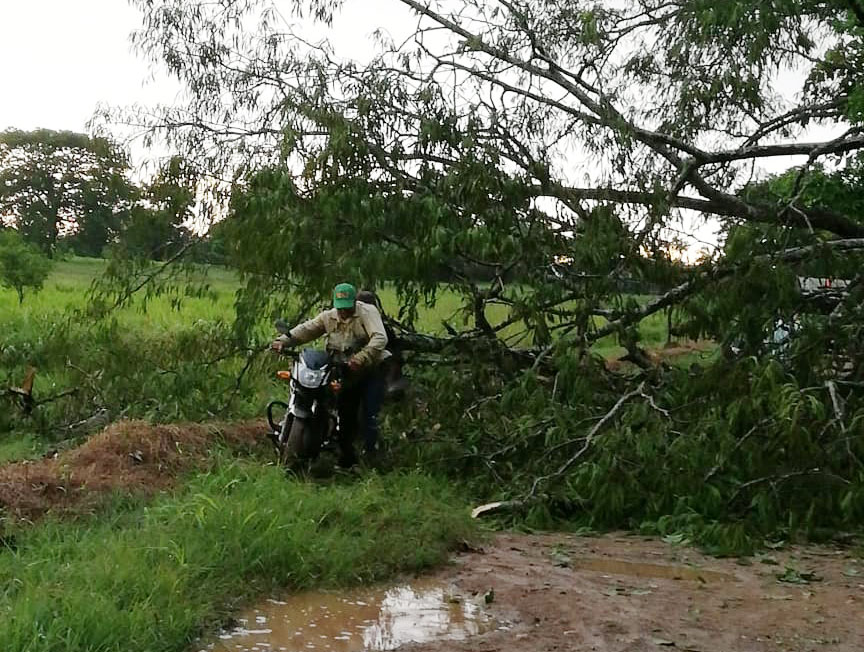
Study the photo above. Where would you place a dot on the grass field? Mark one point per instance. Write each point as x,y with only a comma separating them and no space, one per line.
70,280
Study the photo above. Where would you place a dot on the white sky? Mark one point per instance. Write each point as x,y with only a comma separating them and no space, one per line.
63,57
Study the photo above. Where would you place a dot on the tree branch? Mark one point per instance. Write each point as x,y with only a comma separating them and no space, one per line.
589,439
721,205
679,293
839,146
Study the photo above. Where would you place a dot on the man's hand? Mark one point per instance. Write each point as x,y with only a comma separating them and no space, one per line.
281,343
355,365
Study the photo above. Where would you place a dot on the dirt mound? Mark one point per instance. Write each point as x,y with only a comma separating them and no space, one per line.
128,455
667,353
684,347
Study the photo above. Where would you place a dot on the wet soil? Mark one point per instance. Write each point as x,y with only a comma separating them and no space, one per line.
132,456
628,594
555,592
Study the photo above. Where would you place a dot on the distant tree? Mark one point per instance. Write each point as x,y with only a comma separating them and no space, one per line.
101,222
214,246
58,182
21,265
156,228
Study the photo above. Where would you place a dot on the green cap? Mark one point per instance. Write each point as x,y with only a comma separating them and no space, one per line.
344,295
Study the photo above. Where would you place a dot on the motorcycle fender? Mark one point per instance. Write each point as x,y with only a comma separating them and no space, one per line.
300,412
296,408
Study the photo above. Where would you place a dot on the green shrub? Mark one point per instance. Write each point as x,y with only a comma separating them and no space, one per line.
21,265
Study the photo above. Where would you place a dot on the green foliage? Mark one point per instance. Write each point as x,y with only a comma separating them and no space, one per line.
368,172
493,433
813,303
157,576
815,186
158,230
21,265
742,452
534,191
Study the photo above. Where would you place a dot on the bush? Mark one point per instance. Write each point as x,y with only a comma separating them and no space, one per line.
21,265
725,455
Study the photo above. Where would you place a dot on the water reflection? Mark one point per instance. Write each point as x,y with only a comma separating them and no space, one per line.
371,619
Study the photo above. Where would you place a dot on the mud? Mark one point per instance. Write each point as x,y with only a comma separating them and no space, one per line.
556,592
132,456
353,621
629,594
641,569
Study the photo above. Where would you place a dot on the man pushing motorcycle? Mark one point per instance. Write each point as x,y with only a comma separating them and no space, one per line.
355,336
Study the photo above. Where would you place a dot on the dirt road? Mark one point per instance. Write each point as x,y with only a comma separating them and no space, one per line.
628,594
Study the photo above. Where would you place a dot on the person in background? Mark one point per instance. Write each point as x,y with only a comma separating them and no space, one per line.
394,381
355,336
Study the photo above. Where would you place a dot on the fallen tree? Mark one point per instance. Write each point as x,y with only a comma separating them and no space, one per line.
566,145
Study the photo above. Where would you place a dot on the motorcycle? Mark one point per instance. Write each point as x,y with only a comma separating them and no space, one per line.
310,422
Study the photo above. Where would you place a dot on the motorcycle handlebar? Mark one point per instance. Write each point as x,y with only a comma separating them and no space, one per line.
339,365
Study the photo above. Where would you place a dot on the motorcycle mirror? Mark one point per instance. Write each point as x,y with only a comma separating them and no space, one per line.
282,326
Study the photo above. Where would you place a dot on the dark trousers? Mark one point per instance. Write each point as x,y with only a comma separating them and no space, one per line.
350,399
373,397
362,396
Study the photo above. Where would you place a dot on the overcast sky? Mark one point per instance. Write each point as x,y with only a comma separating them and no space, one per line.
62,57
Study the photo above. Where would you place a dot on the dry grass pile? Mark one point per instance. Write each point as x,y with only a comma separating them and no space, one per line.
132,456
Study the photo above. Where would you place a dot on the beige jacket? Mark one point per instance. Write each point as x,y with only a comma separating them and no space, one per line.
362,333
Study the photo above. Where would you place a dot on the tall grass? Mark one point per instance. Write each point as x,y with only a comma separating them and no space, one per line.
67,286
154,577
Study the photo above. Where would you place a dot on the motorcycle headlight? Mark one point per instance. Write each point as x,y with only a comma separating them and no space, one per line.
312,378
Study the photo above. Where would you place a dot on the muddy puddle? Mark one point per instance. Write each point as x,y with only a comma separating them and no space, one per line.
354,621
656,571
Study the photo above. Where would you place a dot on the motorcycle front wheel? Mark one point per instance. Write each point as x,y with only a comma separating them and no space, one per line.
304,442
